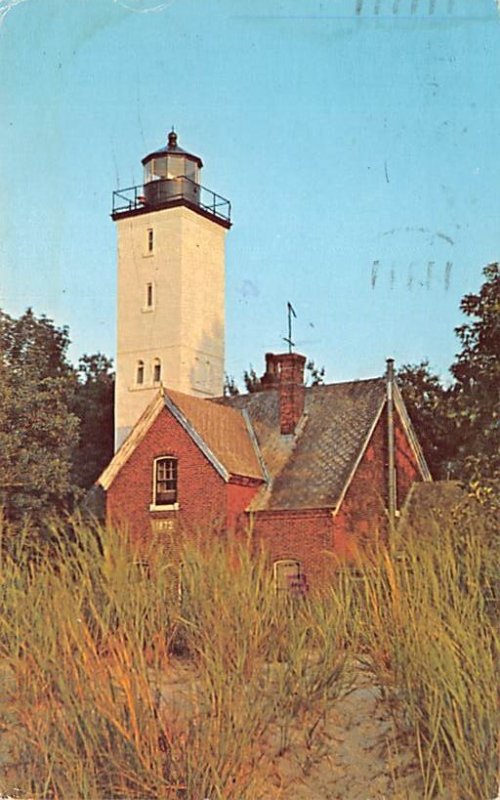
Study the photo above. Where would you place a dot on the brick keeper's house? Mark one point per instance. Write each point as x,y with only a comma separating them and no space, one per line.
318,471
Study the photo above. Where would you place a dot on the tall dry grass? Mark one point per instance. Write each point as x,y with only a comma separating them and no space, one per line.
88,629
86,633
427,617
81,625
263,662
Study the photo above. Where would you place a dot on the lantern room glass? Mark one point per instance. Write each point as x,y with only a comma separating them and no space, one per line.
169,167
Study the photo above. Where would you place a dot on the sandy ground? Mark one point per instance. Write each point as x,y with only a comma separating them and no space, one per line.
354,758
353,753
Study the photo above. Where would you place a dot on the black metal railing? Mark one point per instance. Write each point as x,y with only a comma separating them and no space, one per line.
161,193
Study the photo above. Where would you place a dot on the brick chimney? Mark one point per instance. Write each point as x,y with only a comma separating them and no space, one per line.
291,389
271,377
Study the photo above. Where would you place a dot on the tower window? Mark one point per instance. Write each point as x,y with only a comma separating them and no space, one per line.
149,295
139,375
151,240
165,481
156,370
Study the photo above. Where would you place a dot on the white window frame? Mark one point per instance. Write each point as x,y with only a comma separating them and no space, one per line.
155,505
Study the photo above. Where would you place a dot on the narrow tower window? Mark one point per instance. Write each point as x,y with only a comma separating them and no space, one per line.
149,295
151,240
139,376
156,370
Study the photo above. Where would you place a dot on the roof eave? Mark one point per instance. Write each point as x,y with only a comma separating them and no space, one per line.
132,441
169,152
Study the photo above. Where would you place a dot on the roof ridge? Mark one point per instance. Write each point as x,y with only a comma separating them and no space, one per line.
228,401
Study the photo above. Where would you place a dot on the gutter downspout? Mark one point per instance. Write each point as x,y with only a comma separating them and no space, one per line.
391,461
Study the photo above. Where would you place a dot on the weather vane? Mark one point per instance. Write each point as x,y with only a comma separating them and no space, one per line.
291,313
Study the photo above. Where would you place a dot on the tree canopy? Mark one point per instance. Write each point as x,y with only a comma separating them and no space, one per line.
56,422
476,391
427,402
38,429
459,426
94,406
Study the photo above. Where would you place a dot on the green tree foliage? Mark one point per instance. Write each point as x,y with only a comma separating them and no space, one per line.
476,392
38,429
427,402
94,406
459,427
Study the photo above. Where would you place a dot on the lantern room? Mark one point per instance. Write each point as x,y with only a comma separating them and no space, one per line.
171,178
171,173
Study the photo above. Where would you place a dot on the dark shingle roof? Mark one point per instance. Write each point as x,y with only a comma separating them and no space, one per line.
311,468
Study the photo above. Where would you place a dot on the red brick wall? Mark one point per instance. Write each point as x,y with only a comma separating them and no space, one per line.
361,516
201,490
240,492
406,464
302,535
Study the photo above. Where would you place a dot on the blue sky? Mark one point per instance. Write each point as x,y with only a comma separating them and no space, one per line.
356,139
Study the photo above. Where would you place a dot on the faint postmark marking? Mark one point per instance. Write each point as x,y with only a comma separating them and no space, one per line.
405,7
419,276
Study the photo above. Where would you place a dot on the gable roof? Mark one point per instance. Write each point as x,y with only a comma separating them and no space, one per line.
129,445
224,431
313,468
222,434
240,436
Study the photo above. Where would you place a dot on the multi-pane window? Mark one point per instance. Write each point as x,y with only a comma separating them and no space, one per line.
139,375
156,370
165,481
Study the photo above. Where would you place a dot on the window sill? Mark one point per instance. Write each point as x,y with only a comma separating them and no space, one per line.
147,309
171,507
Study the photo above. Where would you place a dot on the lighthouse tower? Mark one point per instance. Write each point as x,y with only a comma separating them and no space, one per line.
171,233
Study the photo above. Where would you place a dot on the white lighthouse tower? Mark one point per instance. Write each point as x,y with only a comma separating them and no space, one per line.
171,233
